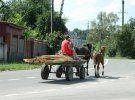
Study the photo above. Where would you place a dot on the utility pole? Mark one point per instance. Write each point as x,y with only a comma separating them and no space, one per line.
122,14
88,26
52,9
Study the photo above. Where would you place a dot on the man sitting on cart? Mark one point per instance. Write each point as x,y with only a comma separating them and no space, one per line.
67,50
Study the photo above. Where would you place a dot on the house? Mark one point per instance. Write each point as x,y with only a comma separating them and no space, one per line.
11,41
14,47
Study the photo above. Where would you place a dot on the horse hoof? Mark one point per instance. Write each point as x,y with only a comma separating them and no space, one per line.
102,73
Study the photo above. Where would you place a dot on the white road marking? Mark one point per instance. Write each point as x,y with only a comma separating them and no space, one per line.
31,77
11,95
14,79
32,92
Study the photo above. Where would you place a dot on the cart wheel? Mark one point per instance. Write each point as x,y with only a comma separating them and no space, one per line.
59,72
69,73
45,72
82,72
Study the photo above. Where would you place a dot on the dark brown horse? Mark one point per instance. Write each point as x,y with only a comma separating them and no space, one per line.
86,51
97,59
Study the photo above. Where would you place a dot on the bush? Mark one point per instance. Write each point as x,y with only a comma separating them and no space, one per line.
111,52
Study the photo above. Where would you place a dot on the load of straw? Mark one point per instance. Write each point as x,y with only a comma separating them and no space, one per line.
49,59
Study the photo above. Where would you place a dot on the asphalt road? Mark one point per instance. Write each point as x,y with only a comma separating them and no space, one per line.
118,83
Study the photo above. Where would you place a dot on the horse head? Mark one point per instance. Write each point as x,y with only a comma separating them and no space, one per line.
102,49
89,46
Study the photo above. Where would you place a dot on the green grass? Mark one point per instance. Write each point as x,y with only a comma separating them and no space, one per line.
117,57
18,66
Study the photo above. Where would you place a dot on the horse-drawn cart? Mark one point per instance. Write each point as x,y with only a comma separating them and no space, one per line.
66,65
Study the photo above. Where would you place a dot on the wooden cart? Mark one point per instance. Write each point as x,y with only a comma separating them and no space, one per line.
66,66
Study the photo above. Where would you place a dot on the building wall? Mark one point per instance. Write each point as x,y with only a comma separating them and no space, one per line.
34,48
13,46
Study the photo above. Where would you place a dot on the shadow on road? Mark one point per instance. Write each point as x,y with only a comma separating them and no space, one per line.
63,81
109,77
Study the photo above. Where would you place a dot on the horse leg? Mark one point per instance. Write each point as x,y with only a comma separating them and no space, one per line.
103,68
87,67
98,71
95,70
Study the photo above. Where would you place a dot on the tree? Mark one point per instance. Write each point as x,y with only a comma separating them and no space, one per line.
102,27
34,15
52,39
126,40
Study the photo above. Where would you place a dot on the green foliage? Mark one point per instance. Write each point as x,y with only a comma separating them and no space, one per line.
34,15
17,66
29,33
126,41
54,40
111,52
17,19
43,23
102,27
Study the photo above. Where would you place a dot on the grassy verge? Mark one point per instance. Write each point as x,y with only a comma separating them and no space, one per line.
117,57
18,66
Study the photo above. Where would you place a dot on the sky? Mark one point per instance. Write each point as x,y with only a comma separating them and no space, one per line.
80,12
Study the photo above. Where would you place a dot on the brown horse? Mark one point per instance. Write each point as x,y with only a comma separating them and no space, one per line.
86,51
97,59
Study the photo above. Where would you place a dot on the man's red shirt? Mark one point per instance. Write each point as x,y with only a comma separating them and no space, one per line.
65,48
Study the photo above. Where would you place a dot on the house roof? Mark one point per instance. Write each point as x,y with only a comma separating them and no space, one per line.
12,25
10,28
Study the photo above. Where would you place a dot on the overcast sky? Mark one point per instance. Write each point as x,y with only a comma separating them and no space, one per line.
79,12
